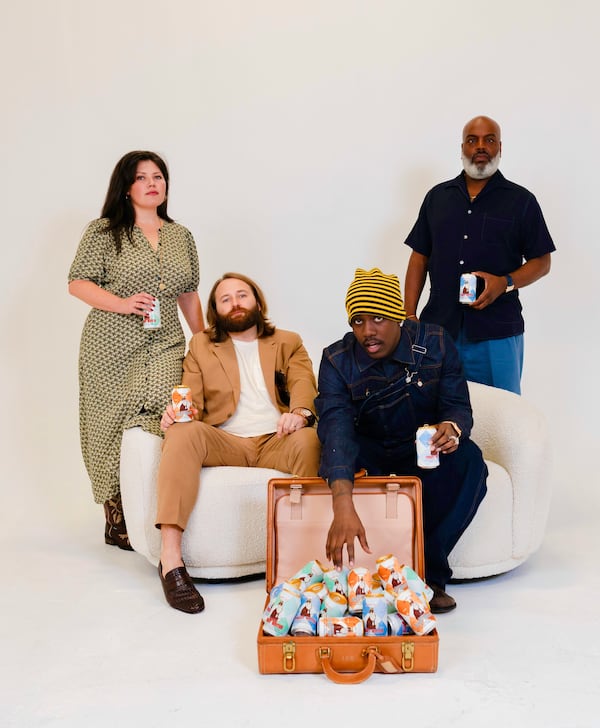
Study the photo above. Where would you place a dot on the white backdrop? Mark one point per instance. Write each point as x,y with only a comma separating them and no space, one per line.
301,139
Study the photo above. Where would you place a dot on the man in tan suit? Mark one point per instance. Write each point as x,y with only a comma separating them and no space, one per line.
253,390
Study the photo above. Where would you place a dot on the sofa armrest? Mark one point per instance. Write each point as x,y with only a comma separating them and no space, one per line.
512,433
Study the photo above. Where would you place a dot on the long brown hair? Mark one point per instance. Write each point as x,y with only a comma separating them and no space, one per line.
117,205
215,332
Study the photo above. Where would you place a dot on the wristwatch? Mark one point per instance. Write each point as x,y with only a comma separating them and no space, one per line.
307,414
510,285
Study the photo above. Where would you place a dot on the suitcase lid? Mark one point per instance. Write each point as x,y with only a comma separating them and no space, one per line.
299,515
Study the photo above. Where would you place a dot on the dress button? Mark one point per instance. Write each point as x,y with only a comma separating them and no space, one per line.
469,212
466,237
462,262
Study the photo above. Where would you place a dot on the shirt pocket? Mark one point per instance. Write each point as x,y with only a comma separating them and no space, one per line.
388,414
497,231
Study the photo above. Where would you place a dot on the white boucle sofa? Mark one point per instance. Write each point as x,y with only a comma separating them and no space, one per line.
226,535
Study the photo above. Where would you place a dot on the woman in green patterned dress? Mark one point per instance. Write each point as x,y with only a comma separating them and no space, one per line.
131,256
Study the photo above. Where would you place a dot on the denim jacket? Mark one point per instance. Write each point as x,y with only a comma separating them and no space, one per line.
362,399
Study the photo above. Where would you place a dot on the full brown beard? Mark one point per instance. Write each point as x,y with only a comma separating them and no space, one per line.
239,323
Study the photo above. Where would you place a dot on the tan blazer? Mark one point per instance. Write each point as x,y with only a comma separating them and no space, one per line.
211,371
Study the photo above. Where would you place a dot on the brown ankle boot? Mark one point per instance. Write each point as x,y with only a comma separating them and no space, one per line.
115,531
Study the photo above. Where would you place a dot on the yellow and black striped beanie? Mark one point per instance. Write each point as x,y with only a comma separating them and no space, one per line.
376,294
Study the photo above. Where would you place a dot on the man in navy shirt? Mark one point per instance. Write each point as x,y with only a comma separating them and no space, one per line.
479,223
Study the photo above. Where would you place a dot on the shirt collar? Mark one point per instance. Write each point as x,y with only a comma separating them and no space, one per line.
403,353
496,180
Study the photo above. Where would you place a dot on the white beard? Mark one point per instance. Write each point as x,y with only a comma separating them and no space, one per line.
478,171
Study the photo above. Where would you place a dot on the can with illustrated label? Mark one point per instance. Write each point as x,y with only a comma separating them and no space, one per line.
152,318
281,611
311,573
335,605
425,458
319,589
359,585
397,626
468,288
374,614
181,400
337,581
305,622
341,627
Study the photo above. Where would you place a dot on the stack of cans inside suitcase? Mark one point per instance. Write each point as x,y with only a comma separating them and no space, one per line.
350,602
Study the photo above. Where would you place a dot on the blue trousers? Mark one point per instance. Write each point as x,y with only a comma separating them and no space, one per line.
497,362
451,495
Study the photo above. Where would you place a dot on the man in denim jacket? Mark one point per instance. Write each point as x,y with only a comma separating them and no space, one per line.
377,385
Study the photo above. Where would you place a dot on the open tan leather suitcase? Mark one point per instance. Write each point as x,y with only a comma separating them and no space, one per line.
299,515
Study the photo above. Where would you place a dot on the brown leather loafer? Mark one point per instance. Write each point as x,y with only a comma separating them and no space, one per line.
180,591
441,602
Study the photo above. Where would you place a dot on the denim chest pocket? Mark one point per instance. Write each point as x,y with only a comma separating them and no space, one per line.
388,413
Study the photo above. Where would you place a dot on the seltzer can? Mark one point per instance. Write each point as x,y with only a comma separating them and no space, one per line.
425,458
337,581
359,585
152,317
318,588
397,626
392,573
468,288
305,622
281,611
278,587
341,627
310,573
181,401
335,605
374,615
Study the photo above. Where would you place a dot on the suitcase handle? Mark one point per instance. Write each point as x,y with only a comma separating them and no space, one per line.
373,656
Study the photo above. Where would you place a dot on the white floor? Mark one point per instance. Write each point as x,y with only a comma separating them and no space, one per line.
88,640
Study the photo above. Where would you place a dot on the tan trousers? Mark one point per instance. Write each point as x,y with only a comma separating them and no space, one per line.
188,446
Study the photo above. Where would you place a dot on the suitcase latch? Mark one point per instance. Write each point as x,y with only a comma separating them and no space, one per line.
408,653
289,656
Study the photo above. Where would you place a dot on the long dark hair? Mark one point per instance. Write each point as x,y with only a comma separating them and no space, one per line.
263,325
117,205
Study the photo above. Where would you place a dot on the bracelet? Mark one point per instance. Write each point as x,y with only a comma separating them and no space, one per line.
456,427
411,315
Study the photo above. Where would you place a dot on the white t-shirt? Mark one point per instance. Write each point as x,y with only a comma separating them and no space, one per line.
255,414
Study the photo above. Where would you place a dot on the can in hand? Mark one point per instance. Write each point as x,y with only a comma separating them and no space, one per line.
468,288
152,317
181,400
425,458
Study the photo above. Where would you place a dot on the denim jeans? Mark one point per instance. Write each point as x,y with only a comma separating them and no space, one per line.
452,493
369,411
